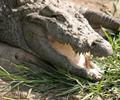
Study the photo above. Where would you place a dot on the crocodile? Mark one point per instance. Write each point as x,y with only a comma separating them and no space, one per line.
53,33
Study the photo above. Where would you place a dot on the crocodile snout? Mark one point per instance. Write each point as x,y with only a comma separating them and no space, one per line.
101,47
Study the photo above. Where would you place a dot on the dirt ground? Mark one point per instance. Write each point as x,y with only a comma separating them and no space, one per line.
106,6
100,5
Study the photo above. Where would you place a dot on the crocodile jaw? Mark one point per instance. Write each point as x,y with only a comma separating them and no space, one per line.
81,60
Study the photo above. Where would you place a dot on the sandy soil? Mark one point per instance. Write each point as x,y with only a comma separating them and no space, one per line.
100,5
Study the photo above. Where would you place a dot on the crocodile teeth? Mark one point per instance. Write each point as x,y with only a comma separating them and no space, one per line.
84,61
74,56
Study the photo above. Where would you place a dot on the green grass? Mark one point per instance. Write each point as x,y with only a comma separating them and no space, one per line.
64,84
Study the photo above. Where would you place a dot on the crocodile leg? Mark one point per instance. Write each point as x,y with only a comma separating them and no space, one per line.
101,19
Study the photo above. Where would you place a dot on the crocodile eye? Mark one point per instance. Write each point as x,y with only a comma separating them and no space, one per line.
59,17
93,44
49,11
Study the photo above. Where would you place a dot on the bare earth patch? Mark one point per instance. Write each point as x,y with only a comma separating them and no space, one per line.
100,5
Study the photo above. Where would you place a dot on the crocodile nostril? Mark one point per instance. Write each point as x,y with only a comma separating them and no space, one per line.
16,56
93,44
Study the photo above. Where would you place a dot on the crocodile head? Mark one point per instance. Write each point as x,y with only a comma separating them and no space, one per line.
63,37
72,28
